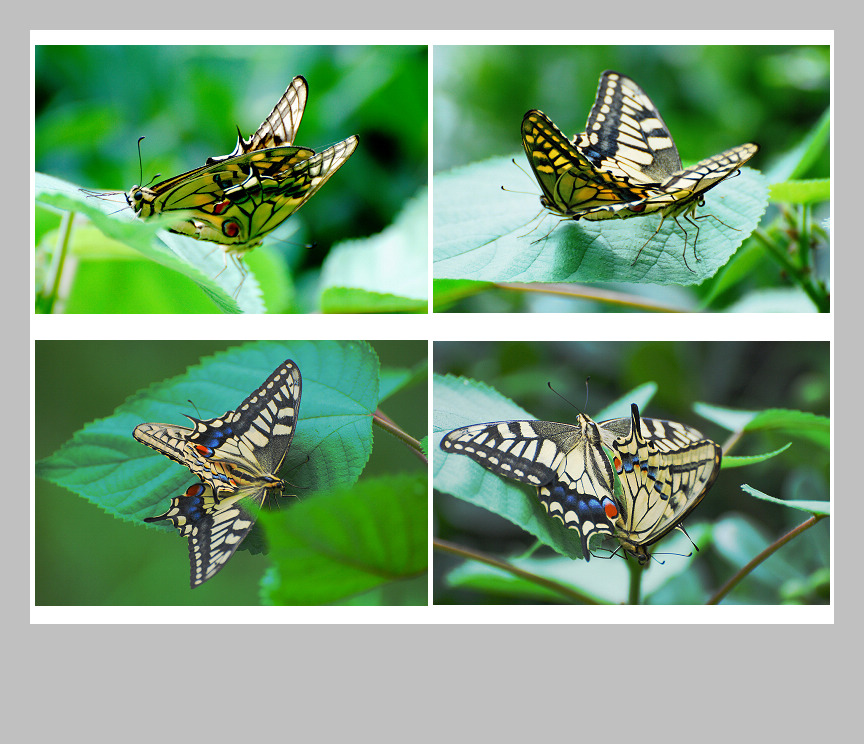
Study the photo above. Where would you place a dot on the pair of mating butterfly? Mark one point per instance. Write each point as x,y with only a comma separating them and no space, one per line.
663,468
624,165
237,199
237,457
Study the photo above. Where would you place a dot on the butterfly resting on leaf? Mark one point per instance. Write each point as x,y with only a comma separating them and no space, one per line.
664,470
237,199
237,457
624,165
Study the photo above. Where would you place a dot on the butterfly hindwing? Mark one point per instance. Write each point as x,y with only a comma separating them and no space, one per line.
664,470
237,456
215,527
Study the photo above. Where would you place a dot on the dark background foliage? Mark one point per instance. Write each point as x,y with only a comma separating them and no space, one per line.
711,97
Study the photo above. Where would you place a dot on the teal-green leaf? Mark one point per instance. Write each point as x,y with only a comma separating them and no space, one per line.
813,507
388,271
203,262
484,233
739,461
333,441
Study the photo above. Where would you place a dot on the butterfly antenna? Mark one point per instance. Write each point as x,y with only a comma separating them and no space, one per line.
140,163
189,401
569,403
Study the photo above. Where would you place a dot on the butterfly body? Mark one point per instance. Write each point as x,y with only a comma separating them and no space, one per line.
237,457
663,470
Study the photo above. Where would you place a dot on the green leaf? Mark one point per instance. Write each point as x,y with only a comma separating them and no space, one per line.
345,301
483,233
798,161
783,420
813,507
105,465
738,461
336,545
387,272
448,291
460,402
774,300
205,263
812,191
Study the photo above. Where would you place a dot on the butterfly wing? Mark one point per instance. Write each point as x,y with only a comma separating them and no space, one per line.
280,128
238,202
214,526
570,183
237,456
252,441
173,442
665,470
625,134
566,464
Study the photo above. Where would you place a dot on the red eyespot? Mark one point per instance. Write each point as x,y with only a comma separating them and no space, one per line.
231,229
610,509
206,451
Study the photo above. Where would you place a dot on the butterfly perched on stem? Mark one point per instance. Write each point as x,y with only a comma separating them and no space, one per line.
663,468
624,165
237,457
237,199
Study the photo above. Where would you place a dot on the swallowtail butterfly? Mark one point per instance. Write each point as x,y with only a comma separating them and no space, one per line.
237,457
636,166
237,199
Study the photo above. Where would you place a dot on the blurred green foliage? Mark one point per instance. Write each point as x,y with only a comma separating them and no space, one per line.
94,102
711,97
742,375
87,557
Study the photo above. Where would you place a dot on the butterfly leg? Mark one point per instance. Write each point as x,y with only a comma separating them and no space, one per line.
237,260
684,253
659,227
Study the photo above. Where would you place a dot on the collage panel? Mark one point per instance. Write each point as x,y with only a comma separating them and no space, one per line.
661,473
294,473
631,178
168,178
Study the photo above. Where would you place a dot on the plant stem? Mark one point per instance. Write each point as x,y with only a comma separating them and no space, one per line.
554,586
385,422
770,550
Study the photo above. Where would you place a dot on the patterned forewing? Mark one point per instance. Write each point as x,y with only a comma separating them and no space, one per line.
515,449
565,463
257,434
570,183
